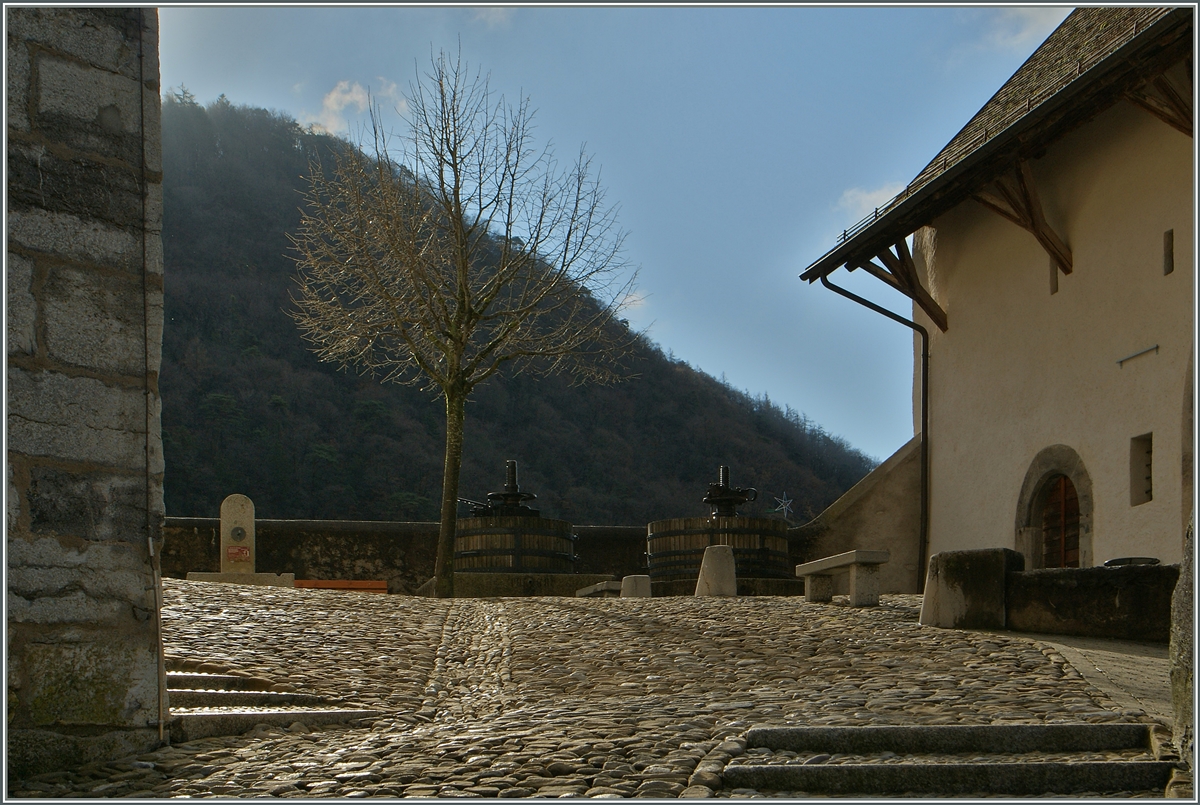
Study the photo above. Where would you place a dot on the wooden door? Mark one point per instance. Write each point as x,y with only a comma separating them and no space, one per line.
1060,524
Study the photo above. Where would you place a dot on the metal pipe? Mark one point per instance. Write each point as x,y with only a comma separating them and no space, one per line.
923,542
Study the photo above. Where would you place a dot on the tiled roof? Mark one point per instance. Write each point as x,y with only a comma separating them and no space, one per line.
1067,59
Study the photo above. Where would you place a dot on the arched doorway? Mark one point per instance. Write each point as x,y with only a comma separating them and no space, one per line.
1054,511
1060,523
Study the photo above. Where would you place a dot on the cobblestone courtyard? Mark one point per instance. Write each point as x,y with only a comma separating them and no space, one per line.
553,696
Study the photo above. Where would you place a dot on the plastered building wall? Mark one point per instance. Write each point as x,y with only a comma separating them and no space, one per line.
1021,370
84,324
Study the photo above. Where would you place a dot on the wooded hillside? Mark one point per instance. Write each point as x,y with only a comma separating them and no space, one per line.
247,408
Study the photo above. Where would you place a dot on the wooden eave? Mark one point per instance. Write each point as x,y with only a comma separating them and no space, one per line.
1147,55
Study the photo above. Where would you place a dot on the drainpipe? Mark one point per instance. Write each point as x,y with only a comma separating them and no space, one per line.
923,542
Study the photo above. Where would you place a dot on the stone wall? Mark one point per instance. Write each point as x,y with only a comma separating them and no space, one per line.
880,512
84,324
402,554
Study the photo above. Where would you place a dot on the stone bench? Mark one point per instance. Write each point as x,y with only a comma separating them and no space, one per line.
863,567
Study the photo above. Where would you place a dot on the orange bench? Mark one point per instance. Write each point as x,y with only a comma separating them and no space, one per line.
358,586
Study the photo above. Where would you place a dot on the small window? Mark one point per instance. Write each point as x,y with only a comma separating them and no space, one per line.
1168,251
1141,455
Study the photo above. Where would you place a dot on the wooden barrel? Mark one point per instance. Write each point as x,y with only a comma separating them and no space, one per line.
513,545
675,547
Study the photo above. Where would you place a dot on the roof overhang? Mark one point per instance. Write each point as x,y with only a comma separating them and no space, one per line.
1148,53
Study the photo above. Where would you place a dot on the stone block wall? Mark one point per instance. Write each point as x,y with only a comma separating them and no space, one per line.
402,554
84,332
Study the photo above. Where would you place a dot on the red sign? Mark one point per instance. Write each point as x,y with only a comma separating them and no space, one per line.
237,553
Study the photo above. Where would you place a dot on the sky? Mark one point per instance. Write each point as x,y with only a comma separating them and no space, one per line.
737,142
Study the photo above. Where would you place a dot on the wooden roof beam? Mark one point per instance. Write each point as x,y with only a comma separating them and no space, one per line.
901,266
1016,199
1169,103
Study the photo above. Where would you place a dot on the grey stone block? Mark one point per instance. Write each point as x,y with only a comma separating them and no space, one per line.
90,678
22,307
89,109
96,506
78,239
87,34
74,607
31,751
45,569
17,83
79,419
97,320
13,510
966,589
79,186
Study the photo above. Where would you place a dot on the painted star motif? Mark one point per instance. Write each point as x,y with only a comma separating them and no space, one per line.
785,505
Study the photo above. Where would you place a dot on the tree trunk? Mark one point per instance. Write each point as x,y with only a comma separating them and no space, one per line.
444,569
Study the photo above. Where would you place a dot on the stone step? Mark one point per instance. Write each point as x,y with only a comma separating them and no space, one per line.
241,698
953,738
195,680
190,724
1025,759
1010,779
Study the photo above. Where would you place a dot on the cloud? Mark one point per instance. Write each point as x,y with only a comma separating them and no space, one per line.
860,202
493,17
353,95
1022,28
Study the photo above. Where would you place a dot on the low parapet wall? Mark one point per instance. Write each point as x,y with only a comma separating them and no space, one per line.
401,553
1128,603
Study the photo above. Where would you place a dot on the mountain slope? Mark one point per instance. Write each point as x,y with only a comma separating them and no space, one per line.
247,408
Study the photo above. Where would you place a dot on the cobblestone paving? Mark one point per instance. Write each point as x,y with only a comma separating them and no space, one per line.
558,696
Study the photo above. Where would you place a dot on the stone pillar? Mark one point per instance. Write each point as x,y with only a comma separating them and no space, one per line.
84,326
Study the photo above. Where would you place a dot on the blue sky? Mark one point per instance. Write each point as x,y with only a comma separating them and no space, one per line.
737,141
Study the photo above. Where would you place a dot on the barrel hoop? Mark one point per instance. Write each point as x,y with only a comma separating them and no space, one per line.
747,552
693,532
539,532
511,552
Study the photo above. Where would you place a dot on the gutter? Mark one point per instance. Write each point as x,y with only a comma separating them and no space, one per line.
923,540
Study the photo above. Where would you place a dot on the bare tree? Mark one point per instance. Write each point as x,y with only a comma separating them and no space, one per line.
468,250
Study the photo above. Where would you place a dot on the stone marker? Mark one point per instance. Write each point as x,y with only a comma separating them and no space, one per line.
965,589
237,534
237,549
635,587
718,574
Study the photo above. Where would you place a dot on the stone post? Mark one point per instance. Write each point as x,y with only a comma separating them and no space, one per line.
718,574
237,535
84,325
